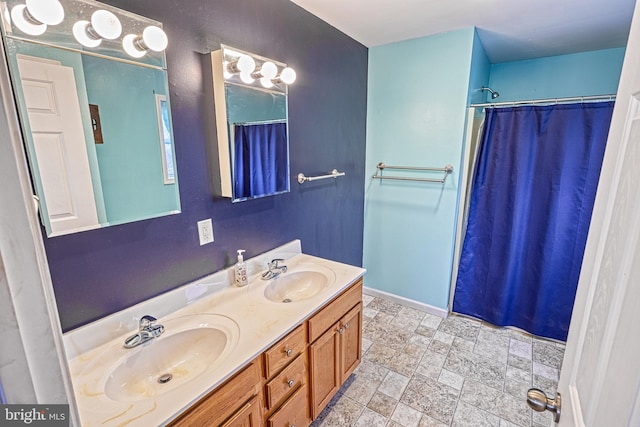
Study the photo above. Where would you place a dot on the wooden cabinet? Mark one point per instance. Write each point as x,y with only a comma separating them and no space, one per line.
249,415
285,350
294,412
292,381
232,404
336,353
286,396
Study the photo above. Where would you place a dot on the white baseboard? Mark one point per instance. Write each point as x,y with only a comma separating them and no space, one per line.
436,311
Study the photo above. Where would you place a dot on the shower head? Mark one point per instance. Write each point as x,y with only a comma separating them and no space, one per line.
494,94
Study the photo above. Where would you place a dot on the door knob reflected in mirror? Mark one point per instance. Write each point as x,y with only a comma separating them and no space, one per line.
538,401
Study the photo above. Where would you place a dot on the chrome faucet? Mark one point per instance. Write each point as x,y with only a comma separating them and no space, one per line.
147,331
275,269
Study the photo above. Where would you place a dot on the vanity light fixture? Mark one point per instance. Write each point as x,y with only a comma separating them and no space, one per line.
34,16
103,25
152,38
248,69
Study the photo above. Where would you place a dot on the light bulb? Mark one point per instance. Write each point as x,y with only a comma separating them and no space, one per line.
28,26
266,83
105,24
225,70
246,78
288,76
154,38
48,12
80,31
269,70
128,44
246,64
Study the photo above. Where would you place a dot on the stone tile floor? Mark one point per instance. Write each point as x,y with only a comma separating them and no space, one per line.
419,370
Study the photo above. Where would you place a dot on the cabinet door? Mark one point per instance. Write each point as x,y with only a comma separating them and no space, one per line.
249,415
350,342
324,366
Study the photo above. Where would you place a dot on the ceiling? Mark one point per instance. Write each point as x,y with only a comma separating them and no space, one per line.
510,30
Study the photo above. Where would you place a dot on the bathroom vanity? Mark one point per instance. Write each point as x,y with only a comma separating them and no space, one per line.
295,379
273,353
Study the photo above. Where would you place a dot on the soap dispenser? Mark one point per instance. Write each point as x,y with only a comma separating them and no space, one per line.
241,270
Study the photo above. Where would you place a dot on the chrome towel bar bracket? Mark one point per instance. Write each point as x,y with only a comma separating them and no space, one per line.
334,174
448,169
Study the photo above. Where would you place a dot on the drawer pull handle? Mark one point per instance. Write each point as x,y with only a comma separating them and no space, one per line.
289,352
290,383
346,326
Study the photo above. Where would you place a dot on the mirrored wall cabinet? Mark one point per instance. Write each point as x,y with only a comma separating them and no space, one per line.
91,87
250,93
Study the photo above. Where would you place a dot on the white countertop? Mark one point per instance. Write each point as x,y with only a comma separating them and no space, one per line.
95,349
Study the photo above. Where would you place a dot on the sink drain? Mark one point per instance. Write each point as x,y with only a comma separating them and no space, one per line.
286,300
163,379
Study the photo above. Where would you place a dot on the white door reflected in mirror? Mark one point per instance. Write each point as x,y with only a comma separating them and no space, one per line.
58,137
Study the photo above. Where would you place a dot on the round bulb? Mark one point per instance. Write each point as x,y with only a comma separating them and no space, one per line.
269,70
246,64
288,76
266,83
155,38
128,44
79,31
106,24
225,70
48,12
17,15
246,78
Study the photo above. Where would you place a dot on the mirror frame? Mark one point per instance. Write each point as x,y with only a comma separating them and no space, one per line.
224,180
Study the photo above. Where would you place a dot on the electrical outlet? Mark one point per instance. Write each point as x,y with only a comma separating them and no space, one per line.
205,231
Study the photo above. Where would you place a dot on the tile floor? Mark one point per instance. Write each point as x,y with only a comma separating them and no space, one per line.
419,370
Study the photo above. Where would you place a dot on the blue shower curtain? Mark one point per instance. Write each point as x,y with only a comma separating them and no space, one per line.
533,192
261,159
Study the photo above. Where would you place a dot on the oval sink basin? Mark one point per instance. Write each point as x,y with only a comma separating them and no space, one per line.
189,346
298,285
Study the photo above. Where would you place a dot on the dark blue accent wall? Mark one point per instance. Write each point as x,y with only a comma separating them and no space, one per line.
96,273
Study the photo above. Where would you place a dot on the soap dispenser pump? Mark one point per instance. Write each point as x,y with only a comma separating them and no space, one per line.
241,270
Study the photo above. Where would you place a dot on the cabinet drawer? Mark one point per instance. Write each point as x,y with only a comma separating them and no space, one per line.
292,377
294,412
284,351
330,314
223,401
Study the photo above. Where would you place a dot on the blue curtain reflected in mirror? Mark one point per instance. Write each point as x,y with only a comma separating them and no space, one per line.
260,159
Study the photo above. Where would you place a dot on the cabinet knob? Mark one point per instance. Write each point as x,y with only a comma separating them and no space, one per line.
346,326
290,383
340,330
289,352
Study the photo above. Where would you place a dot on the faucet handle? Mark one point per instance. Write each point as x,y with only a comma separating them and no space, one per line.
146,321
274,262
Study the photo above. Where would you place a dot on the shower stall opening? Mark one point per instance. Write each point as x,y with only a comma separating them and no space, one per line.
531,186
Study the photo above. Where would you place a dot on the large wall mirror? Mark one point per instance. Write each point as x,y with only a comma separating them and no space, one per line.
250,94
91,86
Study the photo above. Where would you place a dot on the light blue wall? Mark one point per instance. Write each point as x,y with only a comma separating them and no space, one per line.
130,158
579,74
417,96
480,72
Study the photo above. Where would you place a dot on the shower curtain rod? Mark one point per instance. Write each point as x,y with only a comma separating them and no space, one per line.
595,98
